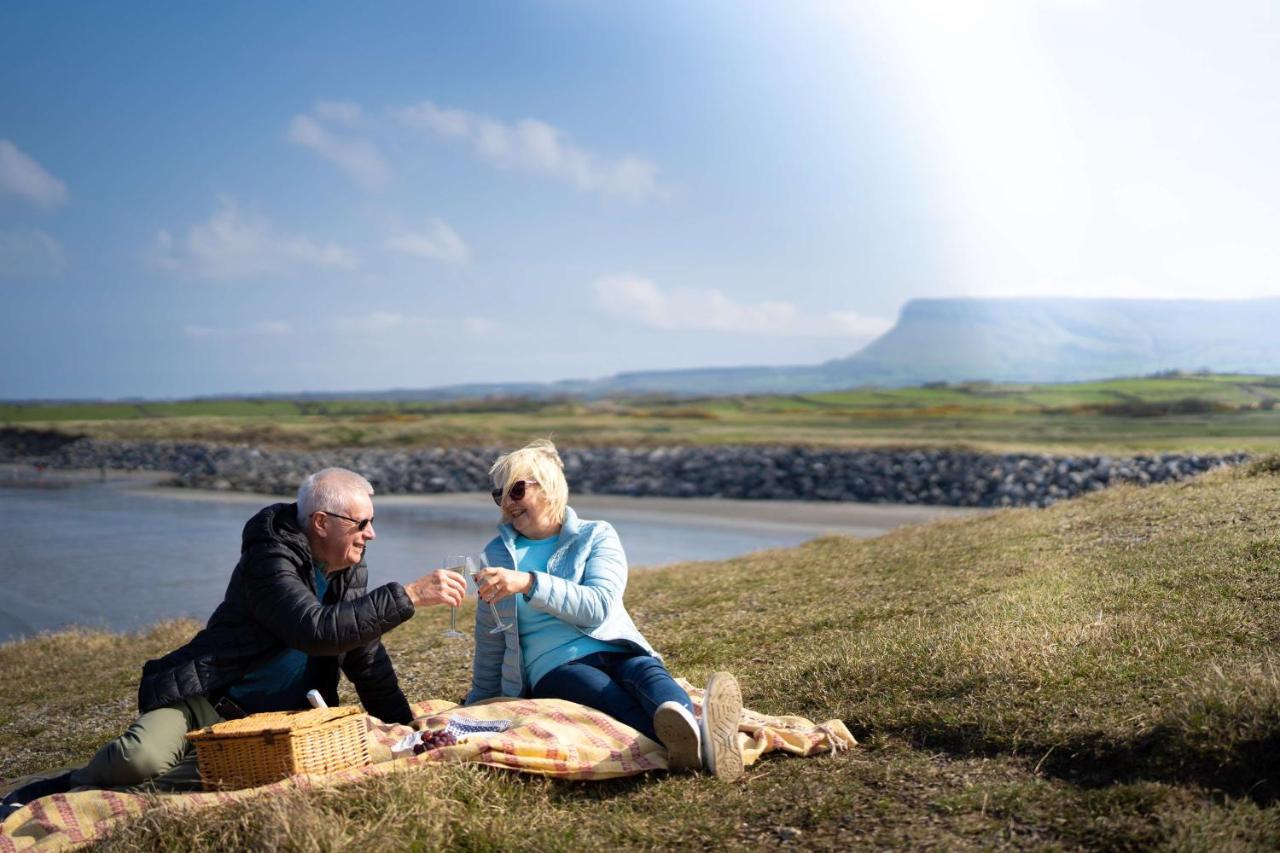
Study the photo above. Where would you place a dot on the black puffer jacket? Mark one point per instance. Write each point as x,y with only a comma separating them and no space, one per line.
271,603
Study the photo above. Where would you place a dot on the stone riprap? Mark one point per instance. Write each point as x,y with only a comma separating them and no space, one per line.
942,477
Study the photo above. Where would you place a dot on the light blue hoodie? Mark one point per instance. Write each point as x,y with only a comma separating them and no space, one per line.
583,585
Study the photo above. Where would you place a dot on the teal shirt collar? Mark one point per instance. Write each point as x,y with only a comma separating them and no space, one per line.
569,528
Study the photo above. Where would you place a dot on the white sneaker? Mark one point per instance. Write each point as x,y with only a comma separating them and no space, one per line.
721,711
678,731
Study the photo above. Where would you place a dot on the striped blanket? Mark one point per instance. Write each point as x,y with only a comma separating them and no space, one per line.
547,736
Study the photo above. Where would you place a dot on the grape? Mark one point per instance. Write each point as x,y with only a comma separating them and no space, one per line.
434,740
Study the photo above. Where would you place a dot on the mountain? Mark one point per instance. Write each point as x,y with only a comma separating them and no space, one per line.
1005,340
1059,340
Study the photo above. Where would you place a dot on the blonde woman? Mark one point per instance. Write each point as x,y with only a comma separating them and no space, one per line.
558,581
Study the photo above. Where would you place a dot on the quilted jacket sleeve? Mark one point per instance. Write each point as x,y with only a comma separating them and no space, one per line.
283,603
369,669
587,602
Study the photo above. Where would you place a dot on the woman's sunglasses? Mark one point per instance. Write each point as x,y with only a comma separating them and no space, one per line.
516,493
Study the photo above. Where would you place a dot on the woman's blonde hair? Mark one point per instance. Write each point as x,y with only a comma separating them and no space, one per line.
537,460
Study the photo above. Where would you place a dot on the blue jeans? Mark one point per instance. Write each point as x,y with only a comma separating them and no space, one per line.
627,686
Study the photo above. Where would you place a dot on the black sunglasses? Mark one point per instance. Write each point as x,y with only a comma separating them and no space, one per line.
360,523
516,493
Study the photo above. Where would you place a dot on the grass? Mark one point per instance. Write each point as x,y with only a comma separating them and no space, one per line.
1172,413
1101,674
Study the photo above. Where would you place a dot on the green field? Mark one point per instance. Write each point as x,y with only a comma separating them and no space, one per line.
1101,674
1182,412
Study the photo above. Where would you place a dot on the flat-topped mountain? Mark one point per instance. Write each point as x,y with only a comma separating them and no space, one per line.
1009,340
953,340
1004,340
1059,340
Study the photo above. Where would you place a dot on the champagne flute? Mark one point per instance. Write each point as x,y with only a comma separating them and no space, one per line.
499,625
460,564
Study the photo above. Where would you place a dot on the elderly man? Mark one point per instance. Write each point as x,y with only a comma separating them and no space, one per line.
296,611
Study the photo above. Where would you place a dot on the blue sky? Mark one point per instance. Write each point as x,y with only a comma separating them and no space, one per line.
243,197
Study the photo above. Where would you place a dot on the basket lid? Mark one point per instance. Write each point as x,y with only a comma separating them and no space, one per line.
274,722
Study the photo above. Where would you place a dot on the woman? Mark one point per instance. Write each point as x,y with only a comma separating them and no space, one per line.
559,581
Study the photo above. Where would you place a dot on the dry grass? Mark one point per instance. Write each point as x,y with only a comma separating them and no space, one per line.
1229,415
1101,674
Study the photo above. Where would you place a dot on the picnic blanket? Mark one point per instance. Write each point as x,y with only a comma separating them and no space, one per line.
546,736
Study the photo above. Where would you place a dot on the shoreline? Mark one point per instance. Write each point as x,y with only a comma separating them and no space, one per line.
850,518
861,520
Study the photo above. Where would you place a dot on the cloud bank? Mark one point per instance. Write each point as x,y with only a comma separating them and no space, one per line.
359,157
534,146
439,242
262,329
233,245
22,176
639,300
381,322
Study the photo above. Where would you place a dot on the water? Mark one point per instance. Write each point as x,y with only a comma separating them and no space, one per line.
112,555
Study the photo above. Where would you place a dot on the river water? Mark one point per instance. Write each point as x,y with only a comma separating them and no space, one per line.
122,554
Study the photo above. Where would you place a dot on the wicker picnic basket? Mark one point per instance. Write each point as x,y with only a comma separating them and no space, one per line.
265,748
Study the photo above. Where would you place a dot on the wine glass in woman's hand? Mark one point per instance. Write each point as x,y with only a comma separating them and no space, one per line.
499,626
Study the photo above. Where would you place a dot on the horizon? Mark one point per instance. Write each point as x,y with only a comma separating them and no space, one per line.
192,200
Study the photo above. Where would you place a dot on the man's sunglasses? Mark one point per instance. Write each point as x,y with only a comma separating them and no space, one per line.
516,493
360,523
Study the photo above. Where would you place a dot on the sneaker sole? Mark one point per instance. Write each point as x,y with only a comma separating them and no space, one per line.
680,739
722,710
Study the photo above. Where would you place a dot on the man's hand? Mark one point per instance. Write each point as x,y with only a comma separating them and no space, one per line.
439,587
494,584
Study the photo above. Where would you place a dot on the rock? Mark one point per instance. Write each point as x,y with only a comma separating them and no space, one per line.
955,478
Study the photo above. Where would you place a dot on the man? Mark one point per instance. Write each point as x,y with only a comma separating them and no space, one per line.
296,610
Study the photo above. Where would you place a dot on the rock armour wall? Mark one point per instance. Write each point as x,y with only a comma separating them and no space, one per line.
943,477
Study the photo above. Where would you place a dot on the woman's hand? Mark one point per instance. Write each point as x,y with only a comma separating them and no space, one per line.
493,584
439,587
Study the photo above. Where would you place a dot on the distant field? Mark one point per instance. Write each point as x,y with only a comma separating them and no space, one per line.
1182,412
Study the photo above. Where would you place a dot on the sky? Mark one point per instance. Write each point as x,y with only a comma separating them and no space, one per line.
238,197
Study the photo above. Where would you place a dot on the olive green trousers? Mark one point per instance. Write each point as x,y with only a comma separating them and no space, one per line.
153,751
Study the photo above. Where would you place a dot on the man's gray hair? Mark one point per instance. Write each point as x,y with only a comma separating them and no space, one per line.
328,491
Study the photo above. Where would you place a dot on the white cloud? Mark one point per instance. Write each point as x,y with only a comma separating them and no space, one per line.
264,329
439,242
534,146
480,325
22,176
340,112
640,300
233,245
360,158
857,325
30,253
381,322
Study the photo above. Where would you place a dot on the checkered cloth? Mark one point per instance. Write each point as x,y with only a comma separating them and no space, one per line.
547,736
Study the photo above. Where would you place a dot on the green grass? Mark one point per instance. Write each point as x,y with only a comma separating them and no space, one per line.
1210,413
1101,674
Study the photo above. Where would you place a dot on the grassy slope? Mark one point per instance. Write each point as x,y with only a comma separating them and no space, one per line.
1100,674
1238,412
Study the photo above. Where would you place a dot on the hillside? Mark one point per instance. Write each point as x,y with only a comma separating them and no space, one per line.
1099,675
1062,340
